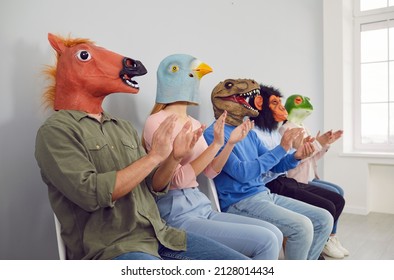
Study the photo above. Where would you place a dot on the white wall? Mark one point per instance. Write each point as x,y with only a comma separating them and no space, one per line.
278,42
366,178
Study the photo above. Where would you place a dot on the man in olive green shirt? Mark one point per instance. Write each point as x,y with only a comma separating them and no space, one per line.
95,171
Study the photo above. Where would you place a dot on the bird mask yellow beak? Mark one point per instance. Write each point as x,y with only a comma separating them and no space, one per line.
201,69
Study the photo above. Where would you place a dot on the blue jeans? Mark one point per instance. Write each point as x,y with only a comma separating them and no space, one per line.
327,185
331,187
306,227
198,248
190,210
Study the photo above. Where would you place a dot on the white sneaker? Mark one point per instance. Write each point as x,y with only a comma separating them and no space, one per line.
332,250
339,245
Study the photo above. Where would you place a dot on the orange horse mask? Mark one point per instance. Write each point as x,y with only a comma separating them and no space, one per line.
85,74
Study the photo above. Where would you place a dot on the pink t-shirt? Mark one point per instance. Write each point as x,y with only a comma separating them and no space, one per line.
184,176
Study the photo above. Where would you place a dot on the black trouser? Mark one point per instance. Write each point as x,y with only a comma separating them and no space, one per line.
331,201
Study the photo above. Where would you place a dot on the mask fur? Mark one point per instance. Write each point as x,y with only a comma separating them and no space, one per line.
270,114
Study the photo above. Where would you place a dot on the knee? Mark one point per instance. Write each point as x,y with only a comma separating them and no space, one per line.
271,244
304,229
268,236
326,220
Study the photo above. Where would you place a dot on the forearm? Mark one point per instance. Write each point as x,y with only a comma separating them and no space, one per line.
128,178
164,173
205,158
221,159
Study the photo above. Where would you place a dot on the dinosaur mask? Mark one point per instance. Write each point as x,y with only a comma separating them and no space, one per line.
178,79
233,96
85,73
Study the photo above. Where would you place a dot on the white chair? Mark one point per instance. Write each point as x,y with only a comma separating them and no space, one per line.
60,243
207,186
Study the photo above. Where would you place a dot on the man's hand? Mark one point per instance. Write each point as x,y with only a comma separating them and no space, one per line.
161,139
240,132
218,130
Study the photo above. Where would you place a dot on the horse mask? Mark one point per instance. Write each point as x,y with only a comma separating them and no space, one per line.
85,74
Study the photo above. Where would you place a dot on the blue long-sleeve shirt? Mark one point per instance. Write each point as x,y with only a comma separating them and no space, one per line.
241,175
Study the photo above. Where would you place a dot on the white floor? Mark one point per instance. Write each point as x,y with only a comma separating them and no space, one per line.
367,237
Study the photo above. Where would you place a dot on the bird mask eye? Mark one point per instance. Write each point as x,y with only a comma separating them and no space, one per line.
84,55
174,68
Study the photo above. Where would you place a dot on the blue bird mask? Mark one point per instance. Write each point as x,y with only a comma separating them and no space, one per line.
178,79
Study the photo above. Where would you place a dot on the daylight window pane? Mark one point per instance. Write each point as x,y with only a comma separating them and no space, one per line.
391,3
391,123
374,123
374,82
372,4
391,81
374,45
391,42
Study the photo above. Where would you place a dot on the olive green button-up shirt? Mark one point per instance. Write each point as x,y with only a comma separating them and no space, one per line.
78,158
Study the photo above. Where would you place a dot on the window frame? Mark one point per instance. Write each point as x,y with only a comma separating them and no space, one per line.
360,18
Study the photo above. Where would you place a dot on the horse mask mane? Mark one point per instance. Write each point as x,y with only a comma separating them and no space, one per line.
85,74
271,110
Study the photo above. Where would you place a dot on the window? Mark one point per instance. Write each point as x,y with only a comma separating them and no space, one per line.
374,75
367,5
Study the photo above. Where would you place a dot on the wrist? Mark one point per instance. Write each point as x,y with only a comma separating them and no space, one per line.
174,158
154,158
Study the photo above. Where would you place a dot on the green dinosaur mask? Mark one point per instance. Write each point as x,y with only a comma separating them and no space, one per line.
299,108
232,95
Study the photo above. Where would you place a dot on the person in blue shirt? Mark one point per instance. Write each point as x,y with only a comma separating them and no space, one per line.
240,185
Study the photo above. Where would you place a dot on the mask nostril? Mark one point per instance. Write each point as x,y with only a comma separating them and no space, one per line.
129,63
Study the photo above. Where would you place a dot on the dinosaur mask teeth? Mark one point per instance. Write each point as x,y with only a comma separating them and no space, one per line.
243,98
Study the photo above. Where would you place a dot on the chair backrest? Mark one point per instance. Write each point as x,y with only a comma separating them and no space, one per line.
60,243
207,186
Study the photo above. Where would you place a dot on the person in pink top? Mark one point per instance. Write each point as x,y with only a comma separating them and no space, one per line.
299,107
185,206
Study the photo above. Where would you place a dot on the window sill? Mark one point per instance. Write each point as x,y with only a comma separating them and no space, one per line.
368,155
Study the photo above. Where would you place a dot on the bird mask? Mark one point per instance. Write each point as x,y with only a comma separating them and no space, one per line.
178,79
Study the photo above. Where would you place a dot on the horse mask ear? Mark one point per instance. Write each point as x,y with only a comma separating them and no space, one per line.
56,43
